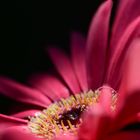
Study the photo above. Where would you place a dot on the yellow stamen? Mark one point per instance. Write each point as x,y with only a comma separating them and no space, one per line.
62,116
62,124
70,125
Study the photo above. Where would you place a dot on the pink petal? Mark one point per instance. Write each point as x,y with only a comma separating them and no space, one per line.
22,93
97,45
17,133
65,137
8,121
50,86
94,124
105,98
128,10
130,135
65,69
116,61
12,107
25,114
129,94
79,59
130,110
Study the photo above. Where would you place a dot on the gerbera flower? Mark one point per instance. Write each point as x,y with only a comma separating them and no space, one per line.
98,92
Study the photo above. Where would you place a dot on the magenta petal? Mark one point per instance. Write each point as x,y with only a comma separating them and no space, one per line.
65,69
97,45
116,61
128,10
22,93
50,86
94,124
131,135
105,99
17,133
25,114
131,71
8,121
65,137
78,43
129,94
129,112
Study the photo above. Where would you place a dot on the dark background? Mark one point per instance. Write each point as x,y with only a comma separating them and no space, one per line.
28,27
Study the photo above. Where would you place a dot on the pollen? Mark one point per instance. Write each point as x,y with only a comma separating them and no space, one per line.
64,116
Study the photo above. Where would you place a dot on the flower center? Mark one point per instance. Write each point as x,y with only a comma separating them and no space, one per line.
64,116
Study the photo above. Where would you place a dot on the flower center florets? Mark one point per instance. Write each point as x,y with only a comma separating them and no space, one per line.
64,116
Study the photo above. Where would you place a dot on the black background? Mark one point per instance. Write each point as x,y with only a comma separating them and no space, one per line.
28,27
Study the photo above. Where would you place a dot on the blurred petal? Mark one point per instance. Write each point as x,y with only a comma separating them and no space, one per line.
97,45
17,133
78,43
65,137
130,135
105,98
8,121
22,93
50,86
128,10
94,123
129,94
116,61
65,69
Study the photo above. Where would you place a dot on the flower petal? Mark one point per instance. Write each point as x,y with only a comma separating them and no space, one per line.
94,123
116,61
65,69
130,135
22,93
16,133
49,86
65,137
25,114
105,98
129,93
128,10
97,45
78,43
8,121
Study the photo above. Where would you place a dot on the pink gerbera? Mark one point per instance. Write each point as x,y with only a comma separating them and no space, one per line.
97,93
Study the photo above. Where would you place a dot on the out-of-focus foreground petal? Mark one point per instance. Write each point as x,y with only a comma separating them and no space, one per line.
65,137
129,94
129,135
94,122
